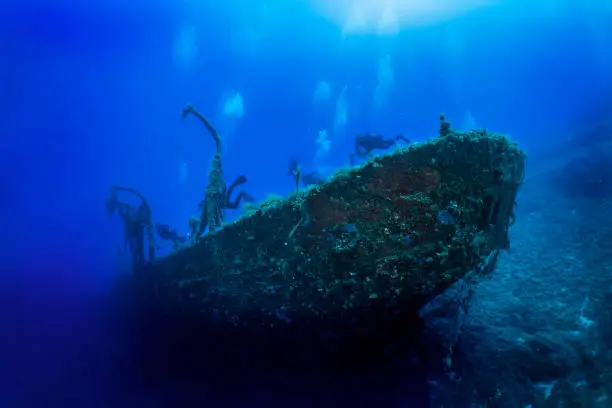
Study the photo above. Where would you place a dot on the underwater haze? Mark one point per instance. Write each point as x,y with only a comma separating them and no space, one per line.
93,95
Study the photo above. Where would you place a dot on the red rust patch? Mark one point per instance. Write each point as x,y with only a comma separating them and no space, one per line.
326,210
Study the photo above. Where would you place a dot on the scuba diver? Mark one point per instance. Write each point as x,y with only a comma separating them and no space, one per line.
445,127
167,234
227,202
136,222
366,143
218,196
295,171
312,178
307,179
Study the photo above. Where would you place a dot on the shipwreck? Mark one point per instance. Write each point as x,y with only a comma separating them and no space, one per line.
371,245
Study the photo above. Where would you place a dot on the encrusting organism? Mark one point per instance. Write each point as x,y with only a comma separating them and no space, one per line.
366,143
217,197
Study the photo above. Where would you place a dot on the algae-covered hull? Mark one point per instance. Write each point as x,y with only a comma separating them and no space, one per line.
380,239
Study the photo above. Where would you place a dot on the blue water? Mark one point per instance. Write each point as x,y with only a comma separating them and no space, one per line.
91,96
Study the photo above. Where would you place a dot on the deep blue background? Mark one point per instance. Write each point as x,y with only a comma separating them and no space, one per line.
90,96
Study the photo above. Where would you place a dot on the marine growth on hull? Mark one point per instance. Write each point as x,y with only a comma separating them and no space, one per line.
382,239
